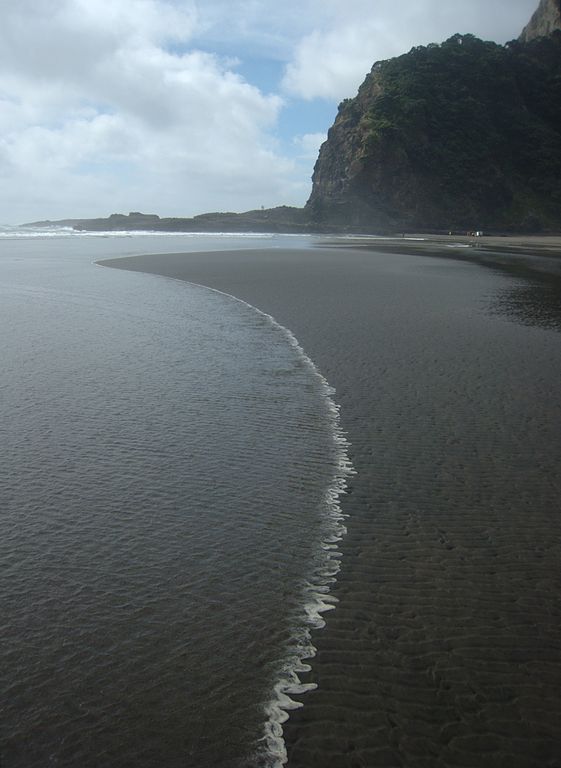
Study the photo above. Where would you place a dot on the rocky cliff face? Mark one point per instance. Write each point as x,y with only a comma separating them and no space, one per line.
463,135
545,20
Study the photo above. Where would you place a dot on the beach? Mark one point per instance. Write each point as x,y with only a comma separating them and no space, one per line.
445,645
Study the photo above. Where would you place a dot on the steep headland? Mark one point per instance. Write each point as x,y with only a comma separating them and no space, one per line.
545,20
466,134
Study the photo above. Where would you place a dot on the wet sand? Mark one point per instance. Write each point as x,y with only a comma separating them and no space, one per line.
445,648
531,254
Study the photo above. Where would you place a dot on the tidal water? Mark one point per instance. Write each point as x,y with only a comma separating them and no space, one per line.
170,469
445,647
170,463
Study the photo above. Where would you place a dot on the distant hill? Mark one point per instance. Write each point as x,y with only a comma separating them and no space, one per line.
462,135
281,219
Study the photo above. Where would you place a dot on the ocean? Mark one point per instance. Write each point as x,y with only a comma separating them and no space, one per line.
173,522
170,469
445,645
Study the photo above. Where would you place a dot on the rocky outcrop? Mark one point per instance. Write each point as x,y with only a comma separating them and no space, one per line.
545,20
462,135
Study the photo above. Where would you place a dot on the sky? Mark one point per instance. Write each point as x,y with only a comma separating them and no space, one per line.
178,107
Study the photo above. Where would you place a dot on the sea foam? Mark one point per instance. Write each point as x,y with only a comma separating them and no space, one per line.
315,598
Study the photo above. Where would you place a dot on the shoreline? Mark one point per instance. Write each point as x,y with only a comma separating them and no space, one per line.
539,254
446,643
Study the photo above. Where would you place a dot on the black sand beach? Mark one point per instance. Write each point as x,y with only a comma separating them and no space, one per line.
445,647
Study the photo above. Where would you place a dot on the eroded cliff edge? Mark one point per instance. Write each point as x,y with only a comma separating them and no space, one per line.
544,21
462,135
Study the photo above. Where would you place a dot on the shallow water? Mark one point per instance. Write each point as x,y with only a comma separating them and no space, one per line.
165,459
445,647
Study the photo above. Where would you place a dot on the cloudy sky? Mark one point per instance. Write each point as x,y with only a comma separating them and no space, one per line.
178,107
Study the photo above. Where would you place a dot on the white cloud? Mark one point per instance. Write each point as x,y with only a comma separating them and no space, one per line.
331,64
260,27
331,60
308,144
96,115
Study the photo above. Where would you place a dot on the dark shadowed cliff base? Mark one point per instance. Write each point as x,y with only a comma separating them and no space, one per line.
445,647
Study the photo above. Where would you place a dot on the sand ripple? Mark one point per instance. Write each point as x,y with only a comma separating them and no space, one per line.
445,647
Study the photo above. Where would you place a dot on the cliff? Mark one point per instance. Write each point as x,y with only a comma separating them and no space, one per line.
545,20
462,135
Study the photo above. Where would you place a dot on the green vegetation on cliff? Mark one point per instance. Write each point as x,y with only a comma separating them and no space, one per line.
466,134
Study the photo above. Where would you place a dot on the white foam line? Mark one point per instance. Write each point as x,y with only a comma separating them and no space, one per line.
316,597
22,233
